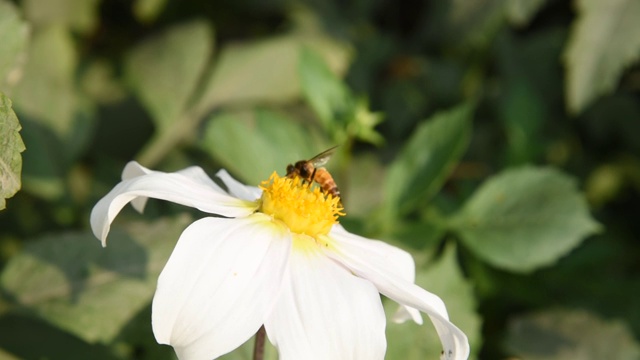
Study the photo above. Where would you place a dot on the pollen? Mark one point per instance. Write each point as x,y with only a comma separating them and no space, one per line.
303,208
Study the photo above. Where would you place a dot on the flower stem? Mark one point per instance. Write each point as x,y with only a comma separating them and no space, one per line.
258,348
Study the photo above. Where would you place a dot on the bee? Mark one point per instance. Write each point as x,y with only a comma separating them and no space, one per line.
311,170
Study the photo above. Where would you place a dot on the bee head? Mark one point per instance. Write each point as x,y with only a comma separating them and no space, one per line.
291,169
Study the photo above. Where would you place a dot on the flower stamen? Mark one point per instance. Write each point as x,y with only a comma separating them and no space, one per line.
304,209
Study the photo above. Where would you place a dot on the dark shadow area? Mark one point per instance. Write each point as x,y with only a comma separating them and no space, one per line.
28,338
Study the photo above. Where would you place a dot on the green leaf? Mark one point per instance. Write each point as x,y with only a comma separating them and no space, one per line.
362,124
92,292
520,12
79,15
427,159
254,71
525,218
340,112
466,24
575,334
165,70
14,33
51,156
4,355
101,84
324,91
46,92
361,193
263,70
523,115
43,169
604,40
250,72
11,146
148,10
252,145
424,236
443,278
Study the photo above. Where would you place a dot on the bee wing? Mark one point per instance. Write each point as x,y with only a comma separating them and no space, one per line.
323,157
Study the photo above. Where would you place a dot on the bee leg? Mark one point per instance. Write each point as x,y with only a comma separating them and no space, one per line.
313,176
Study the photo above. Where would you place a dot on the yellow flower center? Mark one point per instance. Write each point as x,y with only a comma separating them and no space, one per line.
303,208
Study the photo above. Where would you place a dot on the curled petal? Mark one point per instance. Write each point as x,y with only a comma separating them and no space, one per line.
183,189
390,259
134,169
325,312
365,262
237,189
219,285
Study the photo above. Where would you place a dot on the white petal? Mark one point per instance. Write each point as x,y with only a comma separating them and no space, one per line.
173,187
134,169
391,259
219,285
238,189
324,312
366,263
131,170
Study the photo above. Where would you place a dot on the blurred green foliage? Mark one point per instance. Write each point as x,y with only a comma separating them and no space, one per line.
497,140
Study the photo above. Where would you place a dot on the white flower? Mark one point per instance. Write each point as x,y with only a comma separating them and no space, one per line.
277,257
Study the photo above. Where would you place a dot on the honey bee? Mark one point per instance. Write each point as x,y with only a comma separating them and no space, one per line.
311,170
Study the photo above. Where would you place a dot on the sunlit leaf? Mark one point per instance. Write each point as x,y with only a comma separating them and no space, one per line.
324,91
520,12
362,125
443,278
165,69
11,146
148,10
576,334
428,158
46,91
604,40
4,355
80,15
263,70
57,118
252,145
13,32
248,72
342,114
71,281
524,218
604,184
